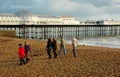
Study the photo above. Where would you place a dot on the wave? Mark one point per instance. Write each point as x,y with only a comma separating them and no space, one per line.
111,42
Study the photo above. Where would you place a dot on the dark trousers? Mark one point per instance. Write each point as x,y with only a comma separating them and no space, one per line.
55,54
49,53
27,55
22,61
74,51
27,59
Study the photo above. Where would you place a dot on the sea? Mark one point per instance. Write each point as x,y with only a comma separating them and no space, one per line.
110,42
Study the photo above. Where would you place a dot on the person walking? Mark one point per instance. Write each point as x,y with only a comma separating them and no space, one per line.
27,51
74,45
49,47
62,45
21,54
54,46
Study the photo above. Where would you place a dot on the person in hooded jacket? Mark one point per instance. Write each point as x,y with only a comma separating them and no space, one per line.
21,52
62,45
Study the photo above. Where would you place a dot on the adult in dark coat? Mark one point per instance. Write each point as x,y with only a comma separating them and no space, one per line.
54,46
49,47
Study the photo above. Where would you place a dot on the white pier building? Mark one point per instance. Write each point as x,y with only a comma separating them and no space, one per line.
28,18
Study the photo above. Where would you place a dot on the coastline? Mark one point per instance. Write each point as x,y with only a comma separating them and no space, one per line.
110,42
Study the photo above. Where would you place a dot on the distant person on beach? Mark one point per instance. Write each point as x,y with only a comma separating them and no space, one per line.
54,46
49,47
74,45
27,51
62,45
21,54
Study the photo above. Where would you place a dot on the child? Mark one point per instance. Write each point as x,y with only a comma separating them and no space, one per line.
27,51
21,54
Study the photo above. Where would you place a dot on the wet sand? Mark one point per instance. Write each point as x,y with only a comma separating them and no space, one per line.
91,61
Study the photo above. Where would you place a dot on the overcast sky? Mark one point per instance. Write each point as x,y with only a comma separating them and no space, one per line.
80,9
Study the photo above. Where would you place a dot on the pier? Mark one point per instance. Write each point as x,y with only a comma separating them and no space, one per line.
68,31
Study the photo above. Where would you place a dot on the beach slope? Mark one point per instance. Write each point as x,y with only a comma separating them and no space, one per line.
91,61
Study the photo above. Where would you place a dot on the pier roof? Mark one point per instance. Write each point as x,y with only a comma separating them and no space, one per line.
24,13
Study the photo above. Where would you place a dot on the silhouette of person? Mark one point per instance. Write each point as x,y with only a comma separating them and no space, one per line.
49,47
54,46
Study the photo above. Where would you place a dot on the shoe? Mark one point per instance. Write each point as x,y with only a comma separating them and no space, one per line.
55,56
49,57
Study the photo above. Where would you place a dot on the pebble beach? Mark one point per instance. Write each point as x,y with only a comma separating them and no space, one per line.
91,61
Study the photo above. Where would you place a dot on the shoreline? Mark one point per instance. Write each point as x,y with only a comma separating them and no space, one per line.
109,42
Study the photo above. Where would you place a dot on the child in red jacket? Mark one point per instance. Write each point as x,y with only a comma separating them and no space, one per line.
21,54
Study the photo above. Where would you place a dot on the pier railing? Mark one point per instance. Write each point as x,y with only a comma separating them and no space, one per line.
68,31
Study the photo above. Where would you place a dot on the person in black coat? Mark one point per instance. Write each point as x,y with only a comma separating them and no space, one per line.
54,46
49,47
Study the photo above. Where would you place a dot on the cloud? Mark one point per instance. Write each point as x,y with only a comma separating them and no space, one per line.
75,8
81,9
63,5
96,3
100,3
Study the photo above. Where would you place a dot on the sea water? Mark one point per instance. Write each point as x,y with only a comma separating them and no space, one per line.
111,42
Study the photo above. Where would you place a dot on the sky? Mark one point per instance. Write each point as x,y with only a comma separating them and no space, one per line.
80,9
